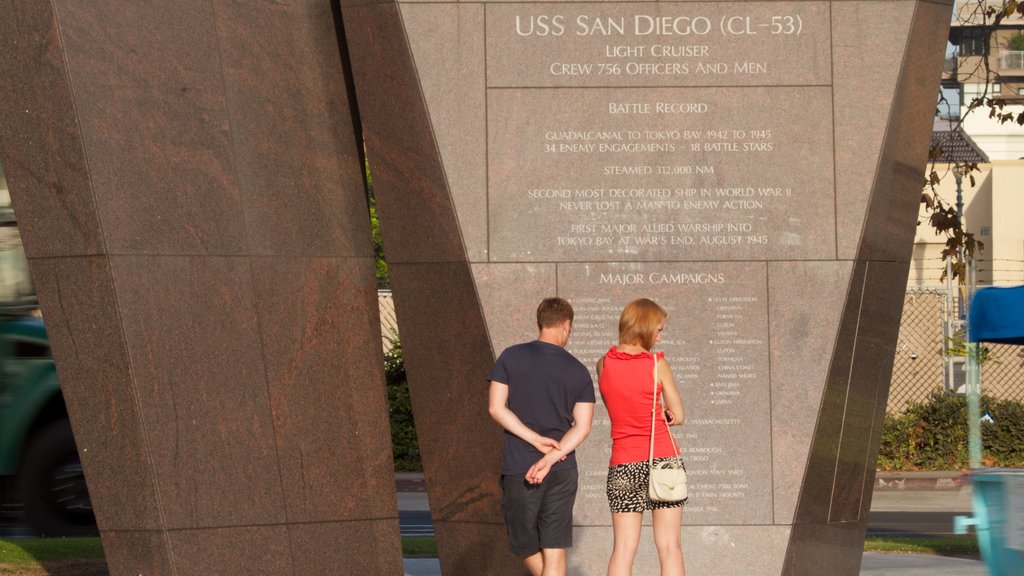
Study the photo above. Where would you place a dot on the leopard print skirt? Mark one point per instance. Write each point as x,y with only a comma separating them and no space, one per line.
627,488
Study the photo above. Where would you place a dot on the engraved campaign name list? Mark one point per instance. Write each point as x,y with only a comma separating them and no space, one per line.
716,342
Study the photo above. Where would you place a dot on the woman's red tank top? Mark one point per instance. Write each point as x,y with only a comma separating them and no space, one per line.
627,388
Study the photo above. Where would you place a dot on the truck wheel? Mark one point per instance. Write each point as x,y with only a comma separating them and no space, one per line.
52,485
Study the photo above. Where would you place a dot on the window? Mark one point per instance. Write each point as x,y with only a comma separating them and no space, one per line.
973,90
972,42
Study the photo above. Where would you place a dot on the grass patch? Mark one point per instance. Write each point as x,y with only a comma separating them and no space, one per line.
32,550
419,547
963,546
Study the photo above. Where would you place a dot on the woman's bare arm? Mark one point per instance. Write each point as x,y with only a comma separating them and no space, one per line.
670,396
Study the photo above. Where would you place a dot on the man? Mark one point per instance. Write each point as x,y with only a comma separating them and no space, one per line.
544,399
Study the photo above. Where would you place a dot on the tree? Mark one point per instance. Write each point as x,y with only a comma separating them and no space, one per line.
984,17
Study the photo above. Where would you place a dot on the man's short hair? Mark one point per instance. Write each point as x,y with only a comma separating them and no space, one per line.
552,312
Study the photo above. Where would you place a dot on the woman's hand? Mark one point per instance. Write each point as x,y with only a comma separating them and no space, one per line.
670,419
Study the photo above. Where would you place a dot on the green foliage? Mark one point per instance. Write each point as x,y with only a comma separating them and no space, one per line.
419,547
962,546
24,551
1017,41
932,435
404,443
378,246
956,345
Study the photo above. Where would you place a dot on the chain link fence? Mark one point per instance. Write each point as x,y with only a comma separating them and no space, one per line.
918,369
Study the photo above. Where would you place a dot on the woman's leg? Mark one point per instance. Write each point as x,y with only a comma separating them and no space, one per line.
666,539
626,528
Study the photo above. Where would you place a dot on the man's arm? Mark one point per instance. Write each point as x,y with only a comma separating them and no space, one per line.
582,415
497,405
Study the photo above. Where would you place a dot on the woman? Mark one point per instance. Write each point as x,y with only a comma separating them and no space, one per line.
626,380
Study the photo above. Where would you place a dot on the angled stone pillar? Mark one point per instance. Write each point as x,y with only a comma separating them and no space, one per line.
754,167
190,195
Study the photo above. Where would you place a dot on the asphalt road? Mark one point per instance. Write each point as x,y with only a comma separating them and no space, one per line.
911,523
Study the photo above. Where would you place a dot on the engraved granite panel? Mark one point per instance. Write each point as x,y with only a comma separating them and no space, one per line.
869,387
153,94
409,180
475,548
805,301
862,108
61,219
252,550
314,314
747,550
684,151
359,547
92,362
189,323
513,317
216,394
446,41
716,340
138,552
825,549
662,44
815,495
895,195
575,179
273,63
438,307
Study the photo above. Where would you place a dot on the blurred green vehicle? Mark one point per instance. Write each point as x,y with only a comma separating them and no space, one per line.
41,480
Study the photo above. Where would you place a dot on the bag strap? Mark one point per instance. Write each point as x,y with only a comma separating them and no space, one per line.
654,410
654,417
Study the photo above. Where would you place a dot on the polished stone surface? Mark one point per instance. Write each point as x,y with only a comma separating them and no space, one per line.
718,315
862,110
447,40
751,171
90,348
193,205
571,180
802,344
46,157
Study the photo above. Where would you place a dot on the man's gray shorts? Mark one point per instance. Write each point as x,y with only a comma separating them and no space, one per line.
539,516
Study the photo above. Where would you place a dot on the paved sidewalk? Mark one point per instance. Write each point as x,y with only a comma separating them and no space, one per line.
873,565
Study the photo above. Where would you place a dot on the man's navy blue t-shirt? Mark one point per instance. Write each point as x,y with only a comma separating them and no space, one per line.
544,384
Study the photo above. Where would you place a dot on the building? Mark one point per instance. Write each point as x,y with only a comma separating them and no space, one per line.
993,202
1003,50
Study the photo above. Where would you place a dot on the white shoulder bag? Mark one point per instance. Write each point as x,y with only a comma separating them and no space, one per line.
668,478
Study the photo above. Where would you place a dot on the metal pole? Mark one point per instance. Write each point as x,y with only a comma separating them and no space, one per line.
973,372
973,383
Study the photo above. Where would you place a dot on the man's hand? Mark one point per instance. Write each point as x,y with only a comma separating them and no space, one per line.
540,469
545,444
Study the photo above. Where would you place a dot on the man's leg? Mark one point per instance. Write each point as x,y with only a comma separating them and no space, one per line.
555,520
554,561
535,564
521,504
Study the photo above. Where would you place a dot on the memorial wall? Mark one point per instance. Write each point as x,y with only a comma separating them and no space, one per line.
752,167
